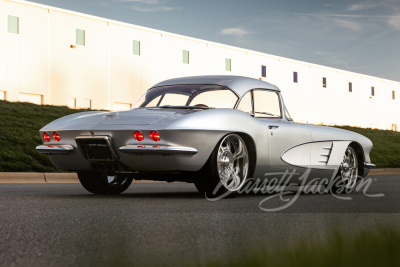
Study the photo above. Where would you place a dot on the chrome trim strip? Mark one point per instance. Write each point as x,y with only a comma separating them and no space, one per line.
57,149
369,165
107,138
157,150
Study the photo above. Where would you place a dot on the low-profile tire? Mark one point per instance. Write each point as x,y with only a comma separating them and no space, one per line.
100,183
347,177
226,170
198,183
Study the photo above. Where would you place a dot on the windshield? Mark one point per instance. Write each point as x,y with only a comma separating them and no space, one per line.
194,95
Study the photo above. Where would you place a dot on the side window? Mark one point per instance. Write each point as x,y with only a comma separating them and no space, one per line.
287,115
154,102
266,104
245,104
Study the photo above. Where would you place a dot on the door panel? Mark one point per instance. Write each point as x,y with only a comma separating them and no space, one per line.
284,135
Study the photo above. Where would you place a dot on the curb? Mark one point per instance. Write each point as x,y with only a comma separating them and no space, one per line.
22,178
384,171
72,178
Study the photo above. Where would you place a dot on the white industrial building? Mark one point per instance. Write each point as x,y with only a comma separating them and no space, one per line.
54,56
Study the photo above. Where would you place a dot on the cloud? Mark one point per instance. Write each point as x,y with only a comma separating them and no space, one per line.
347,15
334,58
238,32
153,8
367,5
362,6
148,2
103,3
394,22
150,5
348,24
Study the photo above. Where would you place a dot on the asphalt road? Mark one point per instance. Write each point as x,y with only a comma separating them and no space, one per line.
160,223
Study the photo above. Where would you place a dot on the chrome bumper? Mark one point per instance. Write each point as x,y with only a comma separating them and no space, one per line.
61,149
157,149
368,165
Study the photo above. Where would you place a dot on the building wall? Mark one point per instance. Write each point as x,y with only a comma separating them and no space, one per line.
44,64
23,56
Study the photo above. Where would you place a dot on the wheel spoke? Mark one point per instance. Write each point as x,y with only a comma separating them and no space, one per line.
222,149
233,179
228,145
237,177
240,153
224,178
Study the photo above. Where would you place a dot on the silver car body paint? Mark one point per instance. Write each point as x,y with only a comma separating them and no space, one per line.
276,143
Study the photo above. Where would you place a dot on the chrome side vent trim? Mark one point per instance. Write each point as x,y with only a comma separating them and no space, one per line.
325,154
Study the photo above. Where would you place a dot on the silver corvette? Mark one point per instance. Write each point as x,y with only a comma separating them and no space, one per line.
214,131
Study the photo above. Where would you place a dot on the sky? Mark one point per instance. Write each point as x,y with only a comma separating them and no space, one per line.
358,36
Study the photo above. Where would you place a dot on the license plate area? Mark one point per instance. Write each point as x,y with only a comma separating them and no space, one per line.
96,148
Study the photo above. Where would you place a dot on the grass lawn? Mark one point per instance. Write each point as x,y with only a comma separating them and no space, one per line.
386,150
20,124
365,248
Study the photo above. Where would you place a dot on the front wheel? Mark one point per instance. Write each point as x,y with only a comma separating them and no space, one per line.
101,183
346,181
226,170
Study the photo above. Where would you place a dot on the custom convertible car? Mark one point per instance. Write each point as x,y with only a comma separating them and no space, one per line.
214,131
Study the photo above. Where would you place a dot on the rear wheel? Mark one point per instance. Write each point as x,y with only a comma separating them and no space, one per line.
101,183
346,181
226,170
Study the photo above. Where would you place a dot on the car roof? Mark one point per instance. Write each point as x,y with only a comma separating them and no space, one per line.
239,84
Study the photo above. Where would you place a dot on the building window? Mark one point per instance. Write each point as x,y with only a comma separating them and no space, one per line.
372,91
13,24
393,95
294,76
263,71
80,37
185,57
350,87
228,64
136,48
324,82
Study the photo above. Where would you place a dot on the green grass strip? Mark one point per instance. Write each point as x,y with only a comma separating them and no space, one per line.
366,248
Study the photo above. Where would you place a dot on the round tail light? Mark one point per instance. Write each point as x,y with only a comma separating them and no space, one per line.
46,137
56,137
155,136
138,136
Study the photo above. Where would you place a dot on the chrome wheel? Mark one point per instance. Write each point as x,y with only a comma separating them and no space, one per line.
349,168
232,162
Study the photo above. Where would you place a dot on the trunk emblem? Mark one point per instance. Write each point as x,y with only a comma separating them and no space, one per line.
111,115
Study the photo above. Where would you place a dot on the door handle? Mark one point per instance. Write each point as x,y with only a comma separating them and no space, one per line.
273,127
